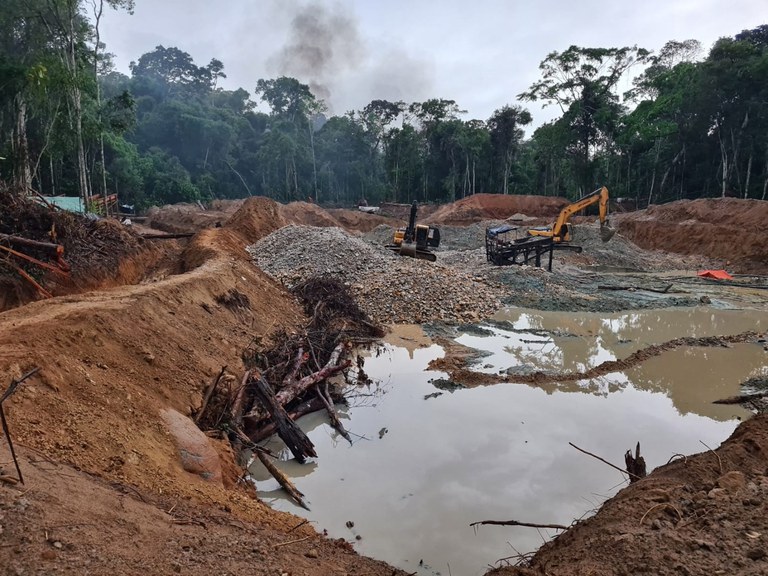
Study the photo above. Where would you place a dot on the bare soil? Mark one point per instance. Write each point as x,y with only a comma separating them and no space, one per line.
727,229
107,487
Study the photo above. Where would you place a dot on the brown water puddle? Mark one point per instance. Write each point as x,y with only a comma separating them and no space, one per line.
427,462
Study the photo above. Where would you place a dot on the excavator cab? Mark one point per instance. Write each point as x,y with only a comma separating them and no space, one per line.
416,239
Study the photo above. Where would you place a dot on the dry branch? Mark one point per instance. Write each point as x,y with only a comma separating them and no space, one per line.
264,431
331,368
208,394
516,523
603,461
15,383
335,422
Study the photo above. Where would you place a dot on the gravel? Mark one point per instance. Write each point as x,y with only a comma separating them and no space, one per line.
462,286
390,288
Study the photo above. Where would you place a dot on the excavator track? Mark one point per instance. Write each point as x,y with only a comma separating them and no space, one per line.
413,252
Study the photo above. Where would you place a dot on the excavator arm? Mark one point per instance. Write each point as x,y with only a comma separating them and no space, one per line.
560,231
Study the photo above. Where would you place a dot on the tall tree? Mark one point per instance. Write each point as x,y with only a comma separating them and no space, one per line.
506,132
582,82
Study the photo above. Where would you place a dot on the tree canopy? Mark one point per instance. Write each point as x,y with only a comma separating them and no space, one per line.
689,127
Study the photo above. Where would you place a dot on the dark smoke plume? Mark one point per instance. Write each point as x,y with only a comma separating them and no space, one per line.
323,43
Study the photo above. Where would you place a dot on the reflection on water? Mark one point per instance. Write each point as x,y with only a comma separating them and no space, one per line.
423,467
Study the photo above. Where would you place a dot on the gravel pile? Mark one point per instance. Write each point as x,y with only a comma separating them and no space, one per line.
390,288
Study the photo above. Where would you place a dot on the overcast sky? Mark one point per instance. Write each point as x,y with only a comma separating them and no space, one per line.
480,53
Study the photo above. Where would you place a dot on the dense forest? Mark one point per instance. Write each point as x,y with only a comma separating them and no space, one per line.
693,125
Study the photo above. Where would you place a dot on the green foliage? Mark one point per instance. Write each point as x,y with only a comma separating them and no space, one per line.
170,133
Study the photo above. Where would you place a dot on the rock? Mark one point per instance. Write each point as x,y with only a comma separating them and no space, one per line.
704,544
756,554
718,493
195,450
312,553
732,481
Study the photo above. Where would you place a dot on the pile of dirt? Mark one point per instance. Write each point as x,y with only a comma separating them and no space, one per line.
495,207
726,229
356,221
185,218
307,214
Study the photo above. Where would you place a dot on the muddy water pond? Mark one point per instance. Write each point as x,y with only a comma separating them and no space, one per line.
428,459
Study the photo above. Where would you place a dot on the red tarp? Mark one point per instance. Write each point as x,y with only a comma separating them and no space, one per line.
716,274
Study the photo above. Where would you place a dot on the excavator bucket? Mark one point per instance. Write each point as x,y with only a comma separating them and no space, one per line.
606,232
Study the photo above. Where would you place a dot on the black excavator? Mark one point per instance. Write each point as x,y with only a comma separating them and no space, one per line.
416,239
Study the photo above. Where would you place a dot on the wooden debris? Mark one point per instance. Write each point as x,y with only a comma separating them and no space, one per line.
325,397
602,460
297,442
635,465
12,387
208,394
742,398
282,479
516,523
296,388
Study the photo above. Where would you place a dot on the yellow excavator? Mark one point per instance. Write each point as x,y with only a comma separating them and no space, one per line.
560,231
415,240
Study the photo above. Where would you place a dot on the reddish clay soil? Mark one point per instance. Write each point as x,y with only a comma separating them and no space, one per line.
495,207
728,229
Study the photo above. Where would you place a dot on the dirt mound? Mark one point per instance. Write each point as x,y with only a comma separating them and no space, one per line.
495,207
257,217
356,221
307,214
185,218
727,229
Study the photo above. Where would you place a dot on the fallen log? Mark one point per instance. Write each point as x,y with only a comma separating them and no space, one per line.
516,523
297,442
55,249
297,388
167,236
281,478
61,270
262,431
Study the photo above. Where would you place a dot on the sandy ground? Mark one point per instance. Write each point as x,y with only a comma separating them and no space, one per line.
108,488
